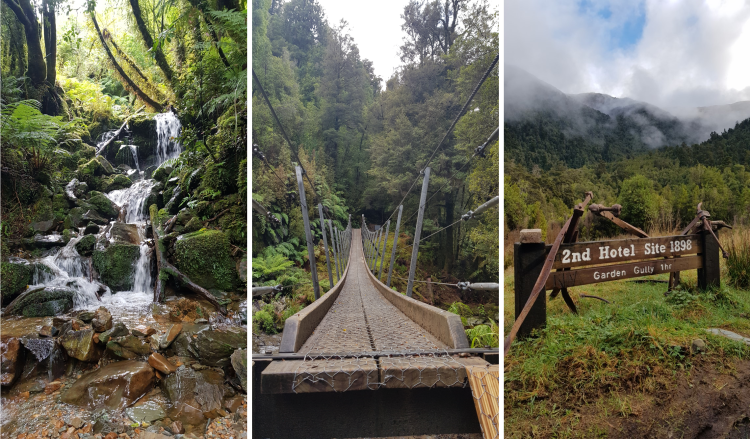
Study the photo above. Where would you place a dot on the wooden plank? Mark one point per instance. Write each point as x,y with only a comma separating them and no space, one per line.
415,372
335,375
585,276
485,389
607,252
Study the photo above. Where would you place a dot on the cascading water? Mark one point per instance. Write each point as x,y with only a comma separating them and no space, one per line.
134,151
167,130
133,200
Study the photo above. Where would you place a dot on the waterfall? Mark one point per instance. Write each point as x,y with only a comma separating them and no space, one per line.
167,130
134,150
133,200
142,283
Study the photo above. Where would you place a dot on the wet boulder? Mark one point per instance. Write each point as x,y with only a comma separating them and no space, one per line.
104,206
239,364
214,347
162,173
115,182
204,257
91,229
115,386
41,302
97,166
14,277
129,347
80,345
125,233
12,357
75,189
43,226
115,265
160,363
84,215
195,395
102,320
85,247
170,335
118,330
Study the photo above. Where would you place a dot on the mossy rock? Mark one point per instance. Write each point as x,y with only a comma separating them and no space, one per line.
97,166
193,225
85,247
161,174
42,302
121,181
115,265
204,257
15,278
104,206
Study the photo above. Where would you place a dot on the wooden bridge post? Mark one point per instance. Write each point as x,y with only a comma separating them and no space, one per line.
528,259
376,253
336,249
308,234
325,243
418,231
395,243
710,275
385,243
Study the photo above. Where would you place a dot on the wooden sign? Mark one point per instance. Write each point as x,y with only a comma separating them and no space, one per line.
606,273
607,252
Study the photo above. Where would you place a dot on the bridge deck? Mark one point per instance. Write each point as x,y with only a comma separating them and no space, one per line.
363,324
362,320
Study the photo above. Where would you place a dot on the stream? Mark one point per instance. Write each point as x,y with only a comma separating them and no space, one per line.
34,404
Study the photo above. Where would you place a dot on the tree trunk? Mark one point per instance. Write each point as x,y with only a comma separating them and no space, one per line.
128,82
50,40
37,68
159,57
215,37
164,268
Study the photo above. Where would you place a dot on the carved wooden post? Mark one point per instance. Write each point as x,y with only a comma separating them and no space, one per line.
528,259
710,275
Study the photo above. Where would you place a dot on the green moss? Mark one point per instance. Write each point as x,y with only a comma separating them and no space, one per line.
104,206
204,257
193,225
161,174
85,247
43,302
14,279
115,265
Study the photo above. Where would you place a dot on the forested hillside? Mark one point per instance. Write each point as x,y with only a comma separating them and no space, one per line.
657,188
363,139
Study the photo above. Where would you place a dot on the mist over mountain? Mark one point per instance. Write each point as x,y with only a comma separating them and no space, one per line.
545,126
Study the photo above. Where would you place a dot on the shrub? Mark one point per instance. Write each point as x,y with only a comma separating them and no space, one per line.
264,321
738,262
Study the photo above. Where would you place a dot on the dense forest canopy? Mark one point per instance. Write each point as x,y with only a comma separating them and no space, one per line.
364,139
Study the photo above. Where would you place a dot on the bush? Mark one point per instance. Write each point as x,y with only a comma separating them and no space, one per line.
639,201
265,322
738,262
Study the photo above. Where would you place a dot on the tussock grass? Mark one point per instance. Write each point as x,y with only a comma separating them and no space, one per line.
737,244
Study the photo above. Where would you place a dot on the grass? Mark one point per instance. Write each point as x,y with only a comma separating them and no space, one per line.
581,373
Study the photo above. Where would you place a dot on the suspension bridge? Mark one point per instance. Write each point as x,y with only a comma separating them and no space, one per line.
364,359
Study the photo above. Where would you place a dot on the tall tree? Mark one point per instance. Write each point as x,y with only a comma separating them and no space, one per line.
38,70
159,57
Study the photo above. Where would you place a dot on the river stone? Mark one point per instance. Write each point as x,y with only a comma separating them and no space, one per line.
204,257
85,316
91,229
58,361
115,386
162,173
129,347
239,364
43,226
104,206
215,346
143,331
97,166
194,394
80,345
14,278
170,335
41,302
11,360
149,412
125,233
116,265
160,363
102,320
85,247
118,330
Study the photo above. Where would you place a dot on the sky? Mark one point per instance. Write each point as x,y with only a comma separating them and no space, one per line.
676,54
375,27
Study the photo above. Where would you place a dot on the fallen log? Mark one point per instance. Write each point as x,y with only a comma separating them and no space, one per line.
117,134
164,268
